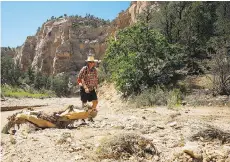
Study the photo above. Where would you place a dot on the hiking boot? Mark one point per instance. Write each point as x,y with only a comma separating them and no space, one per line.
91,120
83,122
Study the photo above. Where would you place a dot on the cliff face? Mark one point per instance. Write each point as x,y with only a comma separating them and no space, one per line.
62,45
130,16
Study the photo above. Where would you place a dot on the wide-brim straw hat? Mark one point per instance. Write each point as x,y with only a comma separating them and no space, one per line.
91,59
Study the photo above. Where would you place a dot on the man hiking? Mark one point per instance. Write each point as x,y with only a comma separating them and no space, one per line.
88,81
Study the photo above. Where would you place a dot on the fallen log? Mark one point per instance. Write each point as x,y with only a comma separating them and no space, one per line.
12,108
60,119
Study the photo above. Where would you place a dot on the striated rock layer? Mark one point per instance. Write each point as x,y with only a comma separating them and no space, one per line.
62,46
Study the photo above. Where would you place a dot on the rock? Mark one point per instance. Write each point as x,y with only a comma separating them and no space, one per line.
162,135
178,127
119,127
153,129
135,125
78,157
192,149
77,148
65,137
69,140
70,150
174,115
12,139
187,111
59,46
223,98
228,159
160,127
129,128
156,158
144,131
184,103
192,154
172,124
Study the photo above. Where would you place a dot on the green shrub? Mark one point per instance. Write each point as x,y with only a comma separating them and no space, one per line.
10,73
174,98
102,75
141,56
154,96
158,95
60,85
184,86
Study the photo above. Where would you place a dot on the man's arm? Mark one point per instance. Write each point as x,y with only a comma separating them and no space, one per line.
81,81
80,78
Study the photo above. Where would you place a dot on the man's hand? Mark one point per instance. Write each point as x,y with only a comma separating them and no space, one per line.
86,90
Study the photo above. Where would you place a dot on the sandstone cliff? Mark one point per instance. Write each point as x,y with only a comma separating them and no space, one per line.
130,16
62,45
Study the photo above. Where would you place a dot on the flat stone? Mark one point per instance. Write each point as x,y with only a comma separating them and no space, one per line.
172,124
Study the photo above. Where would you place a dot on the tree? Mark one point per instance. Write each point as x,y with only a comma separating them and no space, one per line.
141,57
222,24
10,73
30,75
40,80
191,24
219,49
39,28
220,69
60,85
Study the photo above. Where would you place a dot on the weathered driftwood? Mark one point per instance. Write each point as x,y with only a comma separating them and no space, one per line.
12,108
61,119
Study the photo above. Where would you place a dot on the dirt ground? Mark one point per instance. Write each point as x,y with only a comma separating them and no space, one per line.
169,130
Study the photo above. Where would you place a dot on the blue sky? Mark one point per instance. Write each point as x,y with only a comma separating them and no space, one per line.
22,19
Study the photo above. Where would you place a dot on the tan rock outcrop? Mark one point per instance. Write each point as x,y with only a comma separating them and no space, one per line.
130,16
62,45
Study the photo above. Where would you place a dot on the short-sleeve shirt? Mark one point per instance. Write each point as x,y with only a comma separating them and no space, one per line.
89,76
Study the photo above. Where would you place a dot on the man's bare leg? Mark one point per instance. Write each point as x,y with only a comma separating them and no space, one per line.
94,106
83,107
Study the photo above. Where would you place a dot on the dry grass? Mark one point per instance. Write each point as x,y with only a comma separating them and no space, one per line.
211,133
199,82
124,146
